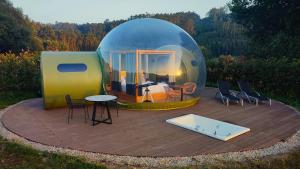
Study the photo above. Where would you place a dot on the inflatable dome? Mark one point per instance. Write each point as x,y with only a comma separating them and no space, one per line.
152,62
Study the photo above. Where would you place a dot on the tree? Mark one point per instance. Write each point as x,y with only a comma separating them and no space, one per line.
217,33
272,25
220,35
15,30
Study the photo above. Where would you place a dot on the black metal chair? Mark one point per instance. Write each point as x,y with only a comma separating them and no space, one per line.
251,95
226,95
76,104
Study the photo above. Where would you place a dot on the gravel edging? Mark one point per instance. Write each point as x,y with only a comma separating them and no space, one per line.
278,148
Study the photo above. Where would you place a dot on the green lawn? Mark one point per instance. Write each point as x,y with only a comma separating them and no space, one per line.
9,98
17,156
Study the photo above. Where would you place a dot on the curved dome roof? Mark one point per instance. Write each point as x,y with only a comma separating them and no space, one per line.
147,33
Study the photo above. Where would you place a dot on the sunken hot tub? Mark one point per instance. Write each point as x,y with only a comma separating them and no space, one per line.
210,127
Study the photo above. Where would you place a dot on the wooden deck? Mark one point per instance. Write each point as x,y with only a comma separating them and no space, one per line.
145,133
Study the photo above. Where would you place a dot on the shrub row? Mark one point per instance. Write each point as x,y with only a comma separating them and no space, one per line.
277,77
20,72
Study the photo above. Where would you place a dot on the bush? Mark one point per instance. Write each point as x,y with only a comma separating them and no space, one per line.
20,72
276,77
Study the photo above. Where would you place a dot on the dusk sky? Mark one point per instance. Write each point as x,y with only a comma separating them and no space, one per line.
94,11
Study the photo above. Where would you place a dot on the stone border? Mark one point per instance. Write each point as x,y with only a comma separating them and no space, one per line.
279,148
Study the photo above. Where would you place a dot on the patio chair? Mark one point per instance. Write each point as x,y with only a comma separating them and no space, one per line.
76,104
251,95
171,93
189,88
226,95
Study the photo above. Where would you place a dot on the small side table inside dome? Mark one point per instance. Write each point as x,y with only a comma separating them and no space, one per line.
101,99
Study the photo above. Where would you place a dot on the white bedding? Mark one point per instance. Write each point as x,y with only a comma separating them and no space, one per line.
159,88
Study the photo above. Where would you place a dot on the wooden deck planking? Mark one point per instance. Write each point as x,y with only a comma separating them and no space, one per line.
145,133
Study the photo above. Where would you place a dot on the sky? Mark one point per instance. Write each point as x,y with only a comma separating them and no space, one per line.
95,11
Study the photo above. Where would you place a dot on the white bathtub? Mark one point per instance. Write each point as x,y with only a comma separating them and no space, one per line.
210,127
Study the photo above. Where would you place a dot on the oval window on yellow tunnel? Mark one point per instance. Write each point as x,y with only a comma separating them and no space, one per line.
72,67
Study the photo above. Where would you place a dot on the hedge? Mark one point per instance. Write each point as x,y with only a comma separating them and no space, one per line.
20,72
277,77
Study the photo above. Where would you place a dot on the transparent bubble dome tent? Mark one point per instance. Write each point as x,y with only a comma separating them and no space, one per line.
153,64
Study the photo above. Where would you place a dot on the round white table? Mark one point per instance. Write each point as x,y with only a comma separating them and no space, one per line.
101,99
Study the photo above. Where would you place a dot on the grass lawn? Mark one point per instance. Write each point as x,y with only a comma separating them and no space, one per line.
9,98
17,156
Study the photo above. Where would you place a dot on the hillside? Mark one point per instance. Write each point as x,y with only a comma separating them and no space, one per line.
217,33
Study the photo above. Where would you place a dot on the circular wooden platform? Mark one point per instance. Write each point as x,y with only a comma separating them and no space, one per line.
145,133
